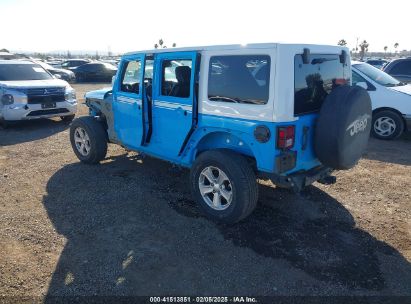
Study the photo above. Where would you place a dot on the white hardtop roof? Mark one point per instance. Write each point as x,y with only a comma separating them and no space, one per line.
236,47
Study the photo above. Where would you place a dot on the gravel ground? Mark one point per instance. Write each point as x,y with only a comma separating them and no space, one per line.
129,226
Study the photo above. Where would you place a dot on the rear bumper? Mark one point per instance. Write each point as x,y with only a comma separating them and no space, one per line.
407,119
298,180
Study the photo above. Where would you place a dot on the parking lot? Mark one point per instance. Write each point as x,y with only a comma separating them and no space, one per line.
129,226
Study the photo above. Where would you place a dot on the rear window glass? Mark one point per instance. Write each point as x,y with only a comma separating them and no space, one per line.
315,80
13,72
239,79
402,68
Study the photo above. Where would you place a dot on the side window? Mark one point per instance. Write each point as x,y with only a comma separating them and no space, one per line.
357,78
130,81
239,79
65,64
176,77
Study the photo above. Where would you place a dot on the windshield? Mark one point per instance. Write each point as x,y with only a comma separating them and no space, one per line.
109,66
377,75
14,72
45,65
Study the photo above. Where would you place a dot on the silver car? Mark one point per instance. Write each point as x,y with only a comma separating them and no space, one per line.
28,91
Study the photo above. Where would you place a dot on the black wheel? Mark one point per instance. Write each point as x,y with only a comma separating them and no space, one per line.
88,139
224,186
387,124
67,118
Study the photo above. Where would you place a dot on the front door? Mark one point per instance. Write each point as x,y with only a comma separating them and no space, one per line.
127,101
172,107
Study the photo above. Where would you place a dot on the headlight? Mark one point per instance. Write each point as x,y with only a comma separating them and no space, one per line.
7,99
70,95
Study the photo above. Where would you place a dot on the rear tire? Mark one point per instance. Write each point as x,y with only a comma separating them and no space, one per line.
88,139
224,186
387,124
68,118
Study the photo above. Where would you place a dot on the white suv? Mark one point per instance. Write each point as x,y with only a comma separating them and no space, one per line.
28,91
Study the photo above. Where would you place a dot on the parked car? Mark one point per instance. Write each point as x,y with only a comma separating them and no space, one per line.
378,63
28,91
228,125
400,69
71,64
95,71
391,100
60,73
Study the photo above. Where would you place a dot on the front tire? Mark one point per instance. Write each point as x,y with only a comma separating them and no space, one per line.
387,125
224,186
88,139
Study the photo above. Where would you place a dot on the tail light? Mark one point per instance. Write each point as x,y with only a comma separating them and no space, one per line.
285,137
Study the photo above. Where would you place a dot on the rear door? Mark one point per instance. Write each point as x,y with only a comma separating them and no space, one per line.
313,81
127,101
172,107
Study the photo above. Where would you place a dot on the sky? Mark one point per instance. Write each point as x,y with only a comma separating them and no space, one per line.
130,25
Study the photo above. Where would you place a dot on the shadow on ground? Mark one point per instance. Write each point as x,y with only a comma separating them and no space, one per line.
30,130
132,229
390,151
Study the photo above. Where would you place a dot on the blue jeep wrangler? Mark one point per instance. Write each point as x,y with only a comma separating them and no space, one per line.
233,113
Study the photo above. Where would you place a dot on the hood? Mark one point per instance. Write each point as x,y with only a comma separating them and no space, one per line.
98,94
23,84
406,89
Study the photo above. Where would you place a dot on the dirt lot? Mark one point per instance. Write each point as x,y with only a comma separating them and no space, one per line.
130,227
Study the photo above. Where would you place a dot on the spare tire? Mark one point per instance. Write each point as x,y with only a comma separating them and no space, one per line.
343,127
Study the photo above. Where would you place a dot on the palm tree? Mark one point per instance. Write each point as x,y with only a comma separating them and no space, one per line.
396,46
342,42
161,42
364,48
385,50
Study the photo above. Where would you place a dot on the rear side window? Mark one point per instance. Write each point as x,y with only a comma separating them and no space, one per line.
239,79
402,68
314,80
130,81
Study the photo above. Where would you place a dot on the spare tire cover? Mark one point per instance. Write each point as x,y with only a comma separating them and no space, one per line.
343,127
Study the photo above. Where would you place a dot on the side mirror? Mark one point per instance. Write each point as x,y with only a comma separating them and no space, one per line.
57,76
113,79
362,84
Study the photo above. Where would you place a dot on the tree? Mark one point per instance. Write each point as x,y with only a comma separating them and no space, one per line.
161,44
4,50
396,46
385,49
363,48
342,42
